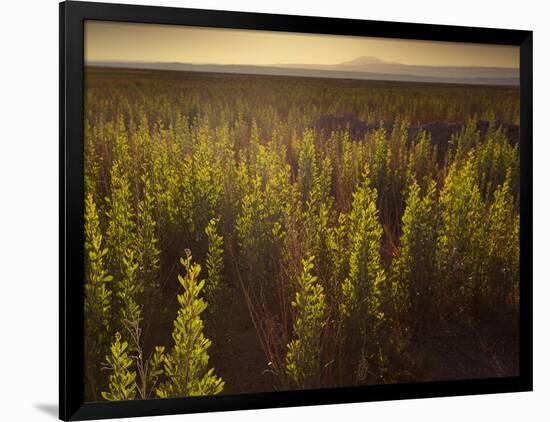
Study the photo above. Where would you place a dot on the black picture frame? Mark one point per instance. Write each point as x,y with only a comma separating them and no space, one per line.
72,16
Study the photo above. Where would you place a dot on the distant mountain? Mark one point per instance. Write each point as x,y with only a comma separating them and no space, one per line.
374,65
364,68
362,61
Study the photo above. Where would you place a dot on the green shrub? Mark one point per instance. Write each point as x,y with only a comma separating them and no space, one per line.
186,365
122,380
97,300
414,272
304,351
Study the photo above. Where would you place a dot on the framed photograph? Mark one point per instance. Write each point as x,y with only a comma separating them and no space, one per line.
265,210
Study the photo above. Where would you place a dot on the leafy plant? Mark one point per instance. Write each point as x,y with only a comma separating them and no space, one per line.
414,271
304,351
122,380
363,288
97,302
121,226
186,366
214,263
459,243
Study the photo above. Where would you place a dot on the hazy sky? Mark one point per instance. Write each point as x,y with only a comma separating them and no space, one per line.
113,41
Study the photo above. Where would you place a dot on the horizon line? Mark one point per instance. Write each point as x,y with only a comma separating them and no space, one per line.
297,64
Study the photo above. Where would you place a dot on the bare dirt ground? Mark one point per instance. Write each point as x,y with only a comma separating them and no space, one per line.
481,349
453,351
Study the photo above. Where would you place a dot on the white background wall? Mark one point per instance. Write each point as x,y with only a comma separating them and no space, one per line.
29,208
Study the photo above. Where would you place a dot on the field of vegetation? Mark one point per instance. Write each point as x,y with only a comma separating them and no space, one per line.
261,233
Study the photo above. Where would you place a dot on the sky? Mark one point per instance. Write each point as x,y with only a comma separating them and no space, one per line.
117,41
